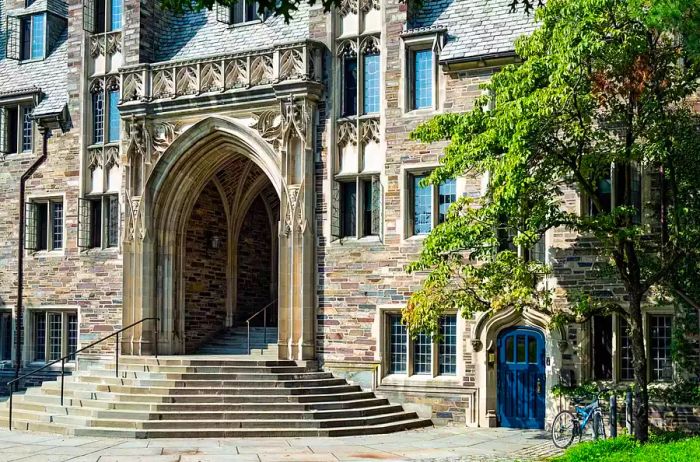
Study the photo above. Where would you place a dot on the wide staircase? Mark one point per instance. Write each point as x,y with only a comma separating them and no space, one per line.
205,396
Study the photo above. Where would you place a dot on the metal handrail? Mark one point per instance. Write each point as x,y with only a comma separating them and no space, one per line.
264,311
11,383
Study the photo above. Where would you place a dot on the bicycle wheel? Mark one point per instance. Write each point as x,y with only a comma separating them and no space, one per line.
564,429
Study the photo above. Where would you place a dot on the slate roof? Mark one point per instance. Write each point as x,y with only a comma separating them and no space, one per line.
475,28
199,34
48,76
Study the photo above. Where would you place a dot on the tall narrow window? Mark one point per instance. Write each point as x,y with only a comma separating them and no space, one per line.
422,206
349,85
447,194
116,14
348,193
72,334
26,38
371,83
38,37
660,341
40,337
112,220
604,194
42,223
5,335
114,121
96,223
56,225
601,344
55,337
447,359
101,16
422,354
27,128
626,365
422,79
12,128
398,339
98,117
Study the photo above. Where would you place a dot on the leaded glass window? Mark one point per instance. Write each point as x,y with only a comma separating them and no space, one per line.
38,36
371,83
72,333
348,208
447,356
112,220
44,224
5,335
116,14
447,194
55,336
40,337
422,79
114,121
422,206
398,339
422,354
27,128
350,85
626,365
56,225
660,341
98,117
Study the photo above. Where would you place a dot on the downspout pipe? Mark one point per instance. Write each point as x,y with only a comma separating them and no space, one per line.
19,315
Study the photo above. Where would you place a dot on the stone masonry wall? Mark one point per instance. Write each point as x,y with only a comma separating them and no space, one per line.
254,263
205,269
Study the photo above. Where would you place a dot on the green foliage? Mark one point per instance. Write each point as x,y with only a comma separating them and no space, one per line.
669,448
681,392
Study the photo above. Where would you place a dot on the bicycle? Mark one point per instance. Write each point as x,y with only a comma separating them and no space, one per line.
567,425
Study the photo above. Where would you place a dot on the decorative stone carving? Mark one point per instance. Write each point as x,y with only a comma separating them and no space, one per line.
366,5
186,81
163,134
134,228
369,130
347,7
111,156
113,43
347,49
133,87
163,84
291,64
563,345
477,345
261,70
211,78
370,45
97,46
236,74
94,158
347,133
269,125
97,85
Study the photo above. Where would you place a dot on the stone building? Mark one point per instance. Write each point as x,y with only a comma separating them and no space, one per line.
201,167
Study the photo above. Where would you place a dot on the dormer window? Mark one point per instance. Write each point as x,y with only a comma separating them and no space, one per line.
241,12
100,16
26,37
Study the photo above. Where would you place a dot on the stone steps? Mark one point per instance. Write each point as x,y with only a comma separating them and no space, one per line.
206,396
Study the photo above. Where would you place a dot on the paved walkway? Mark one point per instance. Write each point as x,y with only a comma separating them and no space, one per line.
433,444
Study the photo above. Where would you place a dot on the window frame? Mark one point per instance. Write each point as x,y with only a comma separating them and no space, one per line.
6,343
50,202
21,109
22,38
410,175
90,16
587,207
361,200
432,41
31,346
104,87
227,13
88,231
409,373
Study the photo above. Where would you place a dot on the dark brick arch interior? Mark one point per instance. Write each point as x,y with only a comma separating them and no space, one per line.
205,269
256,286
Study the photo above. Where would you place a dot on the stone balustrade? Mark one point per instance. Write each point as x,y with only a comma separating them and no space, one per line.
175,79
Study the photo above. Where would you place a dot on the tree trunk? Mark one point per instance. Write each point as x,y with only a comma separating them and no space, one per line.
641,394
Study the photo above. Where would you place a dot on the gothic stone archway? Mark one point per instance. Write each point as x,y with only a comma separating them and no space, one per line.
153,246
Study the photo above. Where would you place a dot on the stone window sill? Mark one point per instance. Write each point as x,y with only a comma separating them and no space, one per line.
401,380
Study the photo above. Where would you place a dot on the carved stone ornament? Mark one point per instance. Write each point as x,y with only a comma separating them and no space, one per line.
369,130
347,49
370,45
477,345
163,135
133,87
113,43
366,5
347,133
269,125
111,156
134,228
149,140
97,46
274,126
563,345
94,158
347,7
295,211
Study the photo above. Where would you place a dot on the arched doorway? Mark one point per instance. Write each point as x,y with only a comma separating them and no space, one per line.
230,253
521,378
221,163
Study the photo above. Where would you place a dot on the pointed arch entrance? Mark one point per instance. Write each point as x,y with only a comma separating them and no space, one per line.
220,163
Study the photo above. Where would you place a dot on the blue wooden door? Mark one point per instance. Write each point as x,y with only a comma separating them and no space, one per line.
521,379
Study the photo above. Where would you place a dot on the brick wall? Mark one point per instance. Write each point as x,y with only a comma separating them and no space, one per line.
205,269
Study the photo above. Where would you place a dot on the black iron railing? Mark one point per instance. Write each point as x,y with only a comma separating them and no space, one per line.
262,310
13,383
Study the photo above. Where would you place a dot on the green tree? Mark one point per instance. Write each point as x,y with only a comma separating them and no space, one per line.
602,83
287,8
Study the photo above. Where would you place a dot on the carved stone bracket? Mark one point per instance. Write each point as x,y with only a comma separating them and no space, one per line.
477,345
269,125
273,126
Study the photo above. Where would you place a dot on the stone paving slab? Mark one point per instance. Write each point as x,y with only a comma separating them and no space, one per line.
440,444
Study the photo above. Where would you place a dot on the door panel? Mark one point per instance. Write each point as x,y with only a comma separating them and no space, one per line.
521,378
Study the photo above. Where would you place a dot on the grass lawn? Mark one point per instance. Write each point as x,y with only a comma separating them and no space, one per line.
625,449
